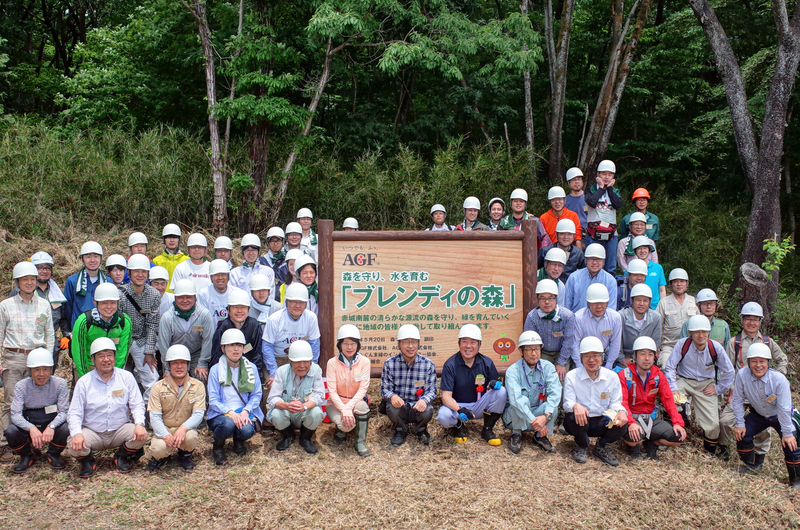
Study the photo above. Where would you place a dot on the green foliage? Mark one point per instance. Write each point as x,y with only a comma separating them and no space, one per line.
776,254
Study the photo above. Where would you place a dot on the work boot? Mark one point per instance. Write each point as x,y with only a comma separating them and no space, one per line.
121,458
748,458
723,453
239,447
88,465
794,475
759,460
218,452
362,426
579,454
399,437
424,437
288,438
185,460
26,459
515,443
651,449
635,451
604,454
156,463
6,454
710,446
487,433
53,456
544,443
305,440
459,433
339,436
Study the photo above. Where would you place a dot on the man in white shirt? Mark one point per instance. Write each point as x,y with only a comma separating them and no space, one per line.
196,267
240,276
293,322
214,297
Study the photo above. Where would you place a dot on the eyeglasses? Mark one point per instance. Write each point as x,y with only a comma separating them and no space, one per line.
547,298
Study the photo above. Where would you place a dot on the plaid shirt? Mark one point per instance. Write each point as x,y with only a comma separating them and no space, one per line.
399,378
556,336
144,324
26,325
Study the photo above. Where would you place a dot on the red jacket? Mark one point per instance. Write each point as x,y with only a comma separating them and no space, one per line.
638,400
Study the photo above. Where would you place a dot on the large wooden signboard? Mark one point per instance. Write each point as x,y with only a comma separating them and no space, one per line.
435,280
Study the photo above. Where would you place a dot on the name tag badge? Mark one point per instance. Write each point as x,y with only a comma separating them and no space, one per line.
648,227
115,340
198,328
607,332
55,305
605,395
363,376
604,224
307,398
585,207
710,365
479,379
54,408
653,391
248,347
692,311
118,393
419,384
193,400
771,398
144,312
41,319
557,334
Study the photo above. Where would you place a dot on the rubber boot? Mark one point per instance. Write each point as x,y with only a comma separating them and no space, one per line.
487,433
459,433
185,460
218,452
121,458
339,436
156,464
748,457
53,456
305,440
710,446
88,466
362,425
794,474
759,460
239,447
288,438
26,459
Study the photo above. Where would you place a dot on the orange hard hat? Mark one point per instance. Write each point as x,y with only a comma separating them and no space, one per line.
639,193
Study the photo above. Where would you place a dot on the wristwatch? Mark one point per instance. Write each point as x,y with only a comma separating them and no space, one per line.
305,407
548,415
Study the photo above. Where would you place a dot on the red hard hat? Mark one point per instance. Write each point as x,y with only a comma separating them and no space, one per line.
639,193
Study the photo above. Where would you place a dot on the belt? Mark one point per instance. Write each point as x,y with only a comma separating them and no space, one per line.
18,350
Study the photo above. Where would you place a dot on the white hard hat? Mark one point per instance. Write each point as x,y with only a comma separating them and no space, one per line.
178,352
574,172
644,343
91,247
102,344
159,273
39,357
42,258
556,254
238,297
707,295
276,231
251,240
641,289
438,208
546,286
565,225
197,240
591,344
606,165
24,268
300,350
259,282
223,242
759,349
294,228
138,262
407,331
294,254
637,266
470,331
297,291
106,291
171,230
185,287
348,331
304,212
497,199
641,241
699,323
116,260
556,192
137,238
302,261
678,274
350,222
218,266
232,336
529,338
596,293
472,202
519,193
752,309
595,250
637,216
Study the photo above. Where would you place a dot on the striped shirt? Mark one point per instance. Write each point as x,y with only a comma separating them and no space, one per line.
26,325
401,379
29,395
144,323
557,336
103,406
607,328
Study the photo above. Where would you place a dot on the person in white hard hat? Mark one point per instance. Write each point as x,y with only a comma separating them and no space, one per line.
176,406
707,303
638,320
79,288
554,324
234,397
625,248
171,256
262,305
553,268
99,415
641,200
603,201
438,216
240,276
223,248
288,272
635,274
309,239
39,414
348,382
293,251
196,267
513,221
655,272
276,253
770,398
214,297
593,273
190,324
590,392
238,318
472,207
576,201
159,278
117,269
292,323
471,387
534,392
104,320
296,398
598,320
142,304
565,239
699,369
137,244
497,209
674,309
558,212
305,269
641,382
350,225
408,388
751,314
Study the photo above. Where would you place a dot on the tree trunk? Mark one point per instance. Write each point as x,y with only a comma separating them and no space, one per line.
258,150
526,87
756,287
557,58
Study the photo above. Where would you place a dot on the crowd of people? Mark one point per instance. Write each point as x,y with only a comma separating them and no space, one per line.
159,347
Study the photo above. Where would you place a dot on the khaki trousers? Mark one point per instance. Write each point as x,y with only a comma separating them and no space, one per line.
159,448
706,408
97,441
336,415
14,370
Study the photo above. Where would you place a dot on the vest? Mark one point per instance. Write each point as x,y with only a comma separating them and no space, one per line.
306,383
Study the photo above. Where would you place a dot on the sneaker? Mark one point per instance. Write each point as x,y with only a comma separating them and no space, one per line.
424,437
6,455
515,443
579,455
544,443
604,454
635,451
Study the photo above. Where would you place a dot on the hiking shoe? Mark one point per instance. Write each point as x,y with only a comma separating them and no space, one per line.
515,443
399,438
424,437
6,455
635,451
651,449
156,464
579,455
604,454
544,443
185,460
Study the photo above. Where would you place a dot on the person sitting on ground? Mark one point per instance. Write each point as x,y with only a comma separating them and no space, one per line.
707,302
638,320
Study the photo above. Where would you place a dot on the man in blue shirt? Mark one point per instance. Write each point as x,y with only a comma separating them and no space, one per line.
580,280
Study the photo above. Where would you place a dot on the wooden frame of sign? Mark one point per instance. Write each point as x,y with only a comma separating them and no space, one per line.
438,281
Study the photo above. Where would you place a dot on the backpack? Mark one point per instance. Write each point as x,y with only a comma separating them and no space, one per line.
629,379
737,346
712,351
